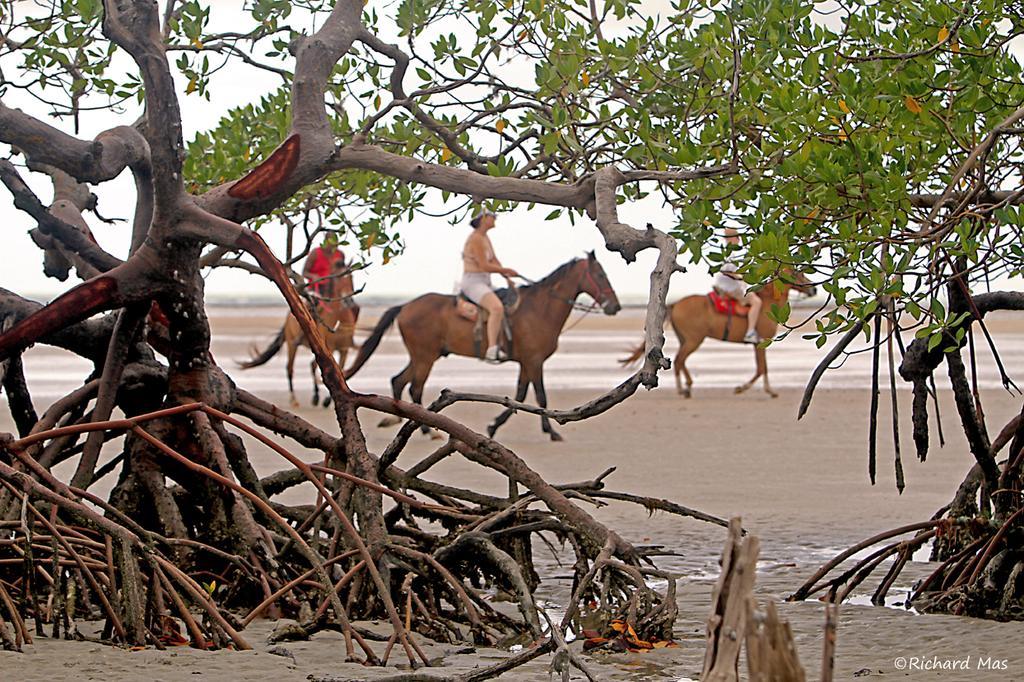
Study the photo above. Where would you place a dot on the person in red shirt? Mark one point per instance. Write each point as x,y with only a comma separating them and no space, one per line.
322,262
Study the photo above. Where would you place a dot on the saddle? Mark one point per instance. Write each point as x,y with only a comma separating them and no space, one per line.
727,305
469,310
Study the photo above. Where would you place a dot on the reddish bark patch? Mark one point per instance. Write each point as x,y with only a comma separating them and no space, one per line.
266,178
157,315
74,306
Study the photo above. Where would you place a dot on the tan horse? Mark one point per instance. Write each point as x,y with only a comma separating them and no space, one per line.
431,328
337,317
694,318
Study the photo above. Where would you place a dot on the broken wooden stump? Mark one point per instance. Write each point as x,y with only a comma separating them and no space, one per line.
727,624
737,620
771,651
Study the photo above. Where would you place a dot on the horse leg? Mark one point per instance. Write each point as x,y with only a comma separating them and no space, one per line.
522,386
290,371
542,401
398,384
419,378
316,384
757,374
677,370
685,350
759,371
762,359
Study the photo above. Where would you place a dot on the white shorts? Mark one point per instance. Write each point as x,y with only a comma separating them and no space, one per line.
733,288
476,285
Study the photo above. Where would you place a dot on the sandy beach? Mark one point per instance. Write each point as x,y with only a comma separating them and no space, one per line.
801,486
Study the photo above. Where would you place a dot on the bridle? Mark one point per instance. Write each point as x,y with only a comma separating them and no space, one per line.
603,293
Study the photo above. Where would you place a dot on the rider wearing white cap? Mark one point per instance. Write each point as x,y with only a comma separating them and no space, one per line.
478,262
728,282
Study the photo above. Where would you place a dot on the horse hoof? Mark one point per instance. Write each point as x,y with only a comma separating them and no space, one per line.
556,437
773,394
491,430
315,401
387,421
686,393
434,435
293,403
739,389
326,403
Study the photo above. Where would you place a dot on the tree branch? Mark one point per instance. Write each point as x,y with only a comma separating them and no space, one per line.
135,27
97,161
127,283
52,226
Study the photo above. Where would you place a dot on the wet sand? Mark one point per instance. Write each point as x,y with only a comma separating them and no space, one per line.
801,486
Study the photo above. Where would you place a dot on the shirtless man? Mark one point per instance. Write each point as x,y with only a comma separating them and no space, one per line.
478,262
728,282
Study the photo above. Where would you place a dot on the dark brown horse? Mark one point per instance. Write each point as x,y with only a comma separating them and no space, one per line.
694,318
431,327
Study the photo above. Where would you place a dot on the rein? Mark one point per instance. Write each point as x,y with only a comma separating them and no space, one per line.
586,311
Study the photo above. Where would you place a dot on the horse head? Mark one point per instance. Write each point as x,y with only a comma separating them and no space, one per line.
594,282
334,297
801,283
777,288
786,279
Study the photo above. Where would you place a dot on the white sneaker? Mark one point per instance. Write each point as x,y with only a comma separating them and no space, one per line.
493,354
751,337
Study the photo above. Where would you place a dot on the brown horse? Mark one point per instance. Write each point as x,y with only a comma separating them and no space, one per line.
694,319
337,317
431,327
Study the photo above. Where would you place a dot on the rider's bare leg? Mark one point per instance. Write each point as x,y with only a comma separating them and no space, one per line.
495,313
755,303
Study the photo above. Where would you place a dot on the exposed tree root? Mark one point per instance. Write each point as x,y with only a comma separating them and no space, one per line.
151,588
977,539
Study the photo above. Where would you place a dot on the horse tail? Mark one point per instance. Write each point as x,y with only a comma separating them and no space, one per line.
372,341
270,351
637,352
634,354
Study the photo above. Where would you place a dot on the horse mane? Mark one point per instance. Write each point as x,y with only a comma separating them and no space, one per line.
554,276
